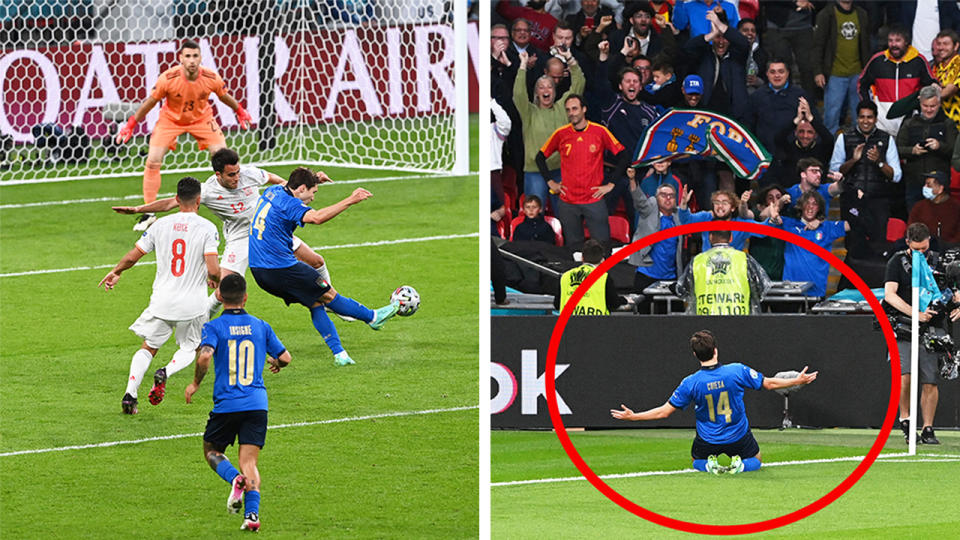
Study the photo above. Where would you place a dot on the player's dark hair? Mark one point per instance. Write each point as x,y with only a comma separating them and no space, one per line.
822,204
592,251
917,232
720,237
533,198
302,176
867,104
744,21
577,97
188,44
807,162
188,188
232,289
223,157
704,344
663,65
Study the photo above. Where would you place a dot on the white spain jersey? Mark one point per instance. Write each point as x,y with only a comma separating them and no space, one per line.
180,287
234,206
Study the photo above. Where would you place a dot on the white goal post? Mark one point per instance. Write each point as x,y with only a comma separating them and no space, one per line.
379,84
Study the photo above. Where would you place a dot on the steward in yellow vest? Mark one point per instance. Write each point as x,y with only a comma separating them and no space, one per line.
723,280
601,297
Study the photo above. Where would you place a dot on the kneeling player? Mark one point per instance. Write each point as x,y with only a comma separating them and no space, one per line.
239,344
717,391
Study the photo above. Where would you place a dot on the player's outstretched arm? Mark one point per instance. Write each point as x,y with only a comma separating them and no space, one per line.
199,372
213,269
656,413
126,262
160,205
326,214
804,378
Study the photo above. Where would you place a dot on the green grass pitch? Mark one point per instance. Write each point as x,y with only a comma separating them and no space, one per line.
908,497
351,471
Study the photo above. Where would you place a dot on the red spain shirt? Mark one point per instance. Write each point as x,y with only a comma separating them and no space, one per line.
581,159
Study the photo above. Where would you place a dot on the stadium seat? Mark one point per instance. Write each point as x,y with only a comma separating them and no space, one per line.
619,229
896,229
955,184
552,221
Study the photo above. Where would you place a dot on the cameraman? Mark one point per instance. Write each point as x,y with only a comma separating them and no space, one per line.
896,301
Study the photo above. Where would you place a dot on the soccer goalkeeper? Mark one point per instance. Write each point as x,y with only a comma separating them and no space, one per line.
717,391
185,91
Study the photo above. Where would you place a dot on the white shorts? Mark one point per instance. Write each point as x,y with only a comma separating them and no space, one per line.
236,254
155,332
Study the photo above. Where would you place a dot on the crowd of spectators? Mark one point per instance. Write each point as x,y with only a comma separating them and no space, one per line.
859,117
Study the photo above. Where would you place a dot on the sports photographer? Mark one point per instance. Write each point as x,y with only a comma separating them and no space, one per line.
896,301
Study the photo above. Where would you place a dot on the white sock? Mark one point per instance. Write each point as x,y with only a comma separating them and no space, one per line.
181,359
324,273
213,305
138,367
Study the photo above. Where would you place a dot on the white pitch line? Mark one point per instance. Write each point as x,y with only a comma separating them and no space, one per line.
279,426
882,458
318,248
165,195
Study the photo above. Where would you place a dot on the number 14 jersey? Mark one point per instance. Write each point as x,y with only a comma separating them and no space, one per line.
717,394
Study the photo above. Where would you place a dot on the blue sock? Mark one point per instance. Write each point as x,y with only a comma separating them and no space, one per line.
700,465
326,328
751,464
227,471
251,503
350,307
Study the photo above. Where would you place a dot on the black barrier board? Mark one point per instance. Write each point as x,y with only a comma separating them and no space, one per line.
639,361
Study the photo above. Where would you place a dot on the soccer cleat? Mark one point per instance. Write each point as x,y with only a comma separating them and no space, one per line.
159,386
145,221
129,404
713,467
343,359
382,315
736,466
251,522
235,500
905,427
928,437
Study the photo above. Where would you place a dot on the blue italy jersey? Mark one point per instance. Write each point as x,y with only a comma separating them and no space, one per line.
717,395
802,265
241,343
278,214
739,239
823,190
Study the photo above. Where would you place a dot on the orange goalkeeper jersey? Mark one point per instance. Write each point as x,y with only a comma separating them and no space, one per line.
186,102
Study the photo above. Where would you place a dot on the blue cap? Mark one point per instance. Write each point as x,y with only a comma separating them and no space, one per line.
693,84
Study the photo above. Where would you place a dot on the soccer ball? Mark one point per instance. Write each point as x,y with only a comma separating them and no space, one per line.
409,300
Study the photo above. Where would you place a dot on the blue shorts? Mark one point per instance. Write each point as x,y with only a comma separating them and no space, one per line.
746,447
298,284
246,427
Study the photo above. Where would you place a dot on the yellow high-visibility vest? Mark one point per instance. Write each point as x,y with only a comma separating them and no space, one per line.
721,283
594,302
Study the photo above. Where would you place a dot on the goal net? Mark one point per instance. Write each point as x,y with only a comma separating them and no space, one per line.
364,83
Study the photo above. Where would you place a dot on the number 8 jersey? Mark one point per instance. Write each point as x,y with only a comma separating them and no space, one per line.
241,343
180,287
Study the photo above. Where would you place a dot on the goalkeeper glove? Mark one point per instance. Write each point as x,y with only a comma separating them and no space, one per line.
243,117
127,131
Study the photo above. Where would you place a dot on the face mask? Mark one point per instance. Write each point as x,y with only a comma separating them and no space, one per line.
928,193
